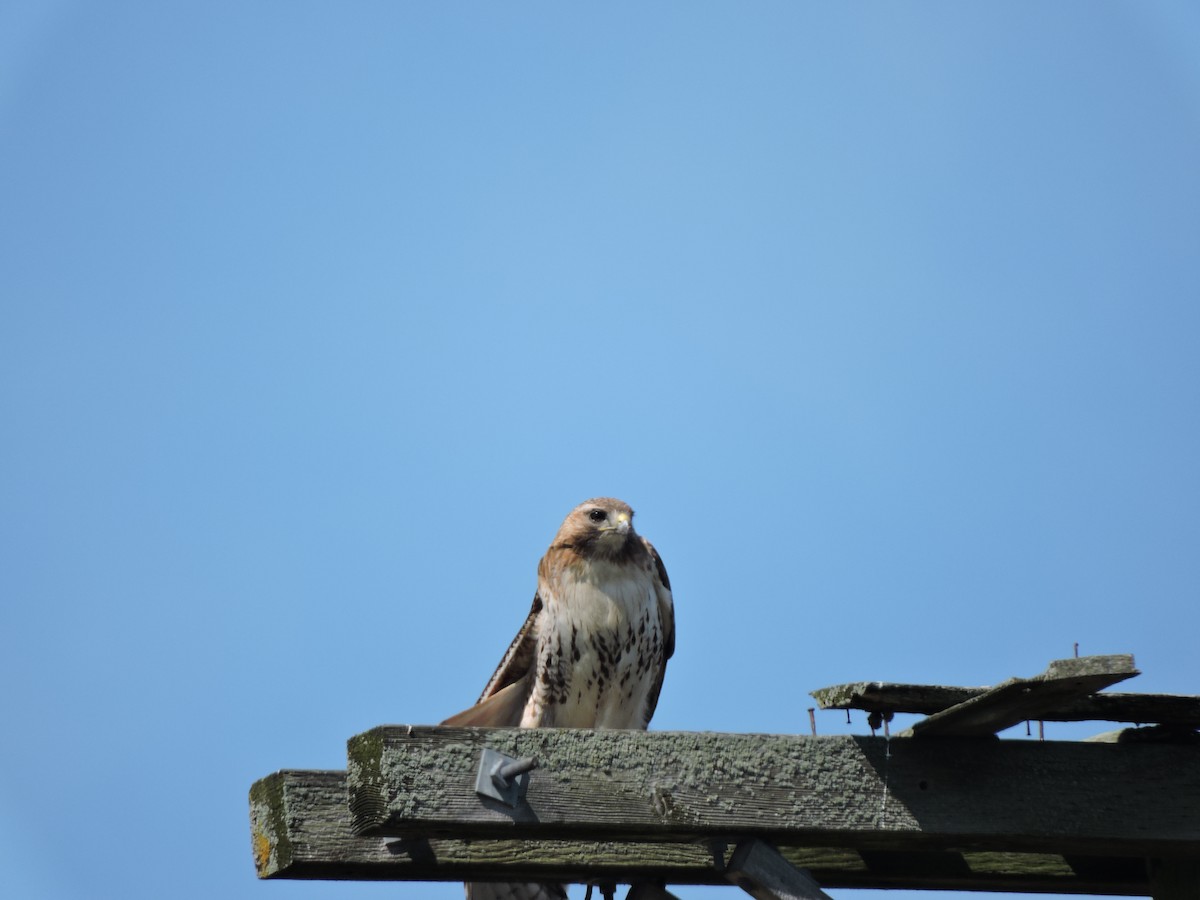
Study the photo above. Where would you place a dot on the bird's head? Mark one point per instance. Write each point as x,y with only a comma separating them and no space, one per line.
602,526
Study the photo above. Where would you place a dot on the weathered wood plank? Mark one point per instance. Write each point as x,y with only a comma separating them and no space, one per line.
300,829
1160,734
1177,710
1020,699
866,793
885,696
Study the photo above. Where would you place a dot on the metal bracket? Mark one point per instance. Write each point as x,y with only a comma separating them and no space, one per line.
502,777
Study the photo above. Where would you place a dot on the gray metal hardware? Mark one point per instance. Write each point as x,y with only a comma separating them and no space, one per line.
502,777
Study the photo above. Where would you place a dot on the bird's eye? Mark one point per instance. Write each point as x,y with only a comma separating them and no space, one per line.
597,515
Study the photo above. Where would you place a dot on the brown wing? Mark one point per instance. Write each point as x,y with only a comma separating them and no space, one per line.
503,708
666,615
503,700
666,603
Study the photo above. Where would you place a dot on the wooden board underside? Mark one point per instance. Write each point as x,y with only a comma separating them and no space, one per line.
300,828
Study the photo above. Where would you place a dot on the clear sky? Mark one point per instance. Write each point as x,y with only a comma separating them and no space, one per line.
317,319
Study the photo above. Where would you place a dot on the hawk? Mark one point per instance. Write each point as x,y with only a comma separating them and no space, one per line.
592,651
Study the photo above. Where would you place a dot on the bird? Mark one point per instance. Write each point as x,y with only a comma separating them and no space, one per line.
593,650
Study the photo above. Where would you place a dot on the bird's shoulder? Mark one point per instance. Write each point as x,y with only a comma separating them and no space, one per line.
521,653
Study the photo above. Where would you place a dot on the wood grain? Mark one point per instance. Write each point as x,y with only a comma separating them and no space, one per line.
859,792
1021,699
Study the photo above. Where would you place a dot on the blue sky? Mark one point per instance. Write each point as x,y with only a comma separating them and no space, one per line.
317,319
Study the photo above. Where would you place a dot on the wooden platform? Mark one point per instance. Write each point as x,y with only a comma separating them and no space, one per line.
943,806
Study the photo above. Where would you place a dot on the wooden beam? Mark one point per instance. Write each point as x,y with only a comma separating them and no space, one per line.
865,793
300,829
764,874
1176,710
1021,699
1160,734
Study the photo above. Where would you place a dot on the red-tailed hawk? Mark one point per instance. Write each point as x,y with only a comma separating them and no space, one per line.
594,648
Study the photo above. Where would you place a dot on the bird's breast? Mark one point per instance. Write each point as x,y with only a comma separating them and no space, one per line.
598,653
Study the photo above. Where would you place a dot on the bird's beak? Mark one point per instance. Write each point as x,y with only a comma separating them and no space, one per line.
622,523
